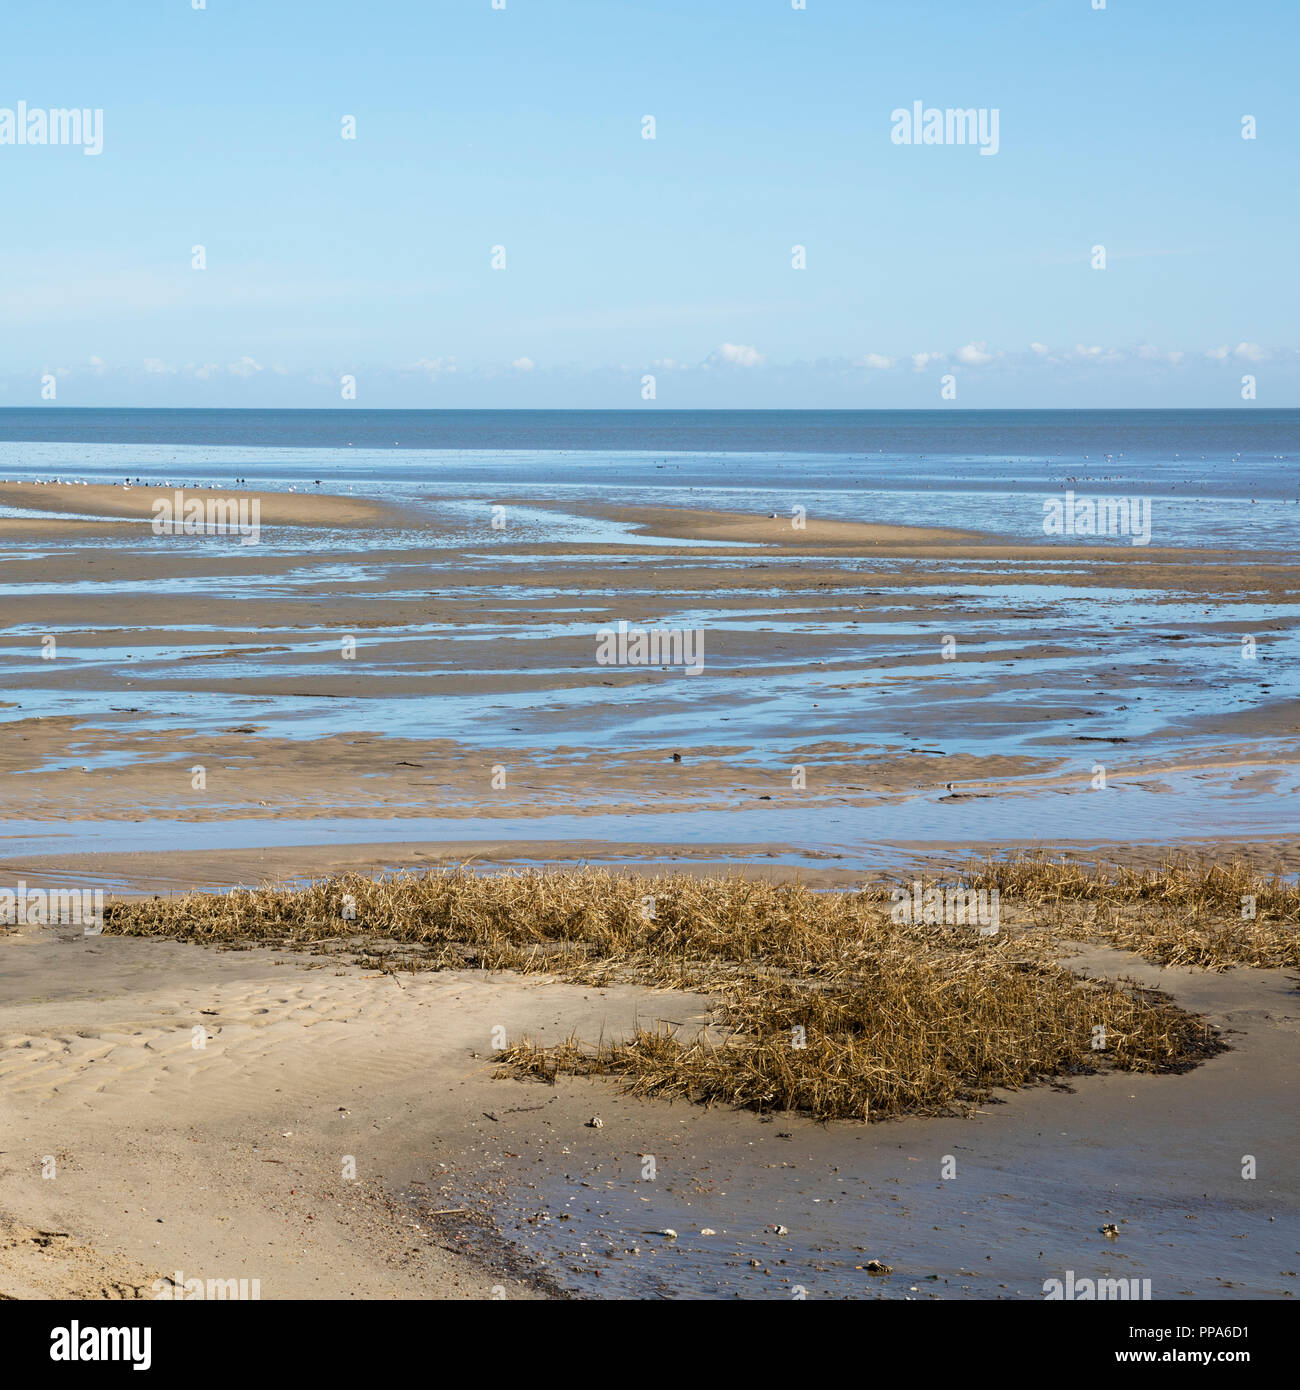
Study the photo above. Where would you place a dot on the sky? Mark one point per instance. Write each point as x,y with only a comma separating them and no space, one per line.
648,273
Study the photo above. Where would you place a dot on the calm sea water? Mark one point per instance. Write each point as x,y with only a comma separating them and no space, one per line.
1152,435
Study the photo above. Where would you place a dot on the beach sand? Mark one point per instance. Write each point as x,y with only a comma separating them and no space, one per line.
228,1160
138,502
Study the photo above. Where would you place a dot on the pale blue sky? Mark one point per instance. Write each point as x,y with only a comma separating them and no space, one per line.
522,127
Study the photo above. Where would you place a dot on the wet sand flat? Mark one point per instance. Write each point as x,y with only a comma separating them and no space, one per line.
366,671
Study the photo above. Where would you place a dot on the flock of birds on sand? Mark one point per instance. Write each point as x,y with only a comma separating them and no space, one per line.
128,483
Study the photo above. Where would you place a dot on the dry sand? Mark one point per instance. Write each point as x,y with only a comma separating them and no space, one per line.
228,1160
138,502
789,531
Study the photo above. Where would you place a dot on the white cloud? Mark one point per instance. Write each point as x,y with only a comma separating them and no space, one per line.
245,367
523,364
1248,352
434,366
155,366
921,360
1149,353
975,355
1039,349
1103,355
739,355
876,362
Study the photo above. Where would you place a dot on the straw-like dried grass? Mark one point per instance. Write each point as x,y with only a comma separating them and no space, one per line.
1184,912
826,1005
